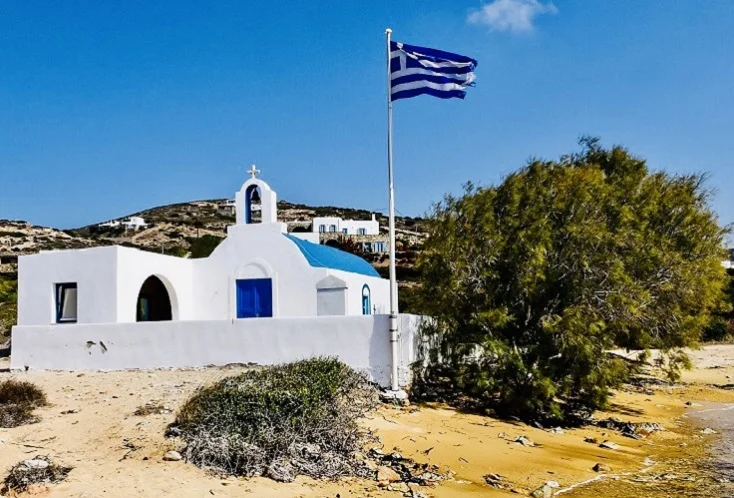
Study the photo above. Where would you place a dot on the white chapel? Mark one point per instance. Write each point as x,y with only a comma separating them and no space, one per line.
258,271
263,296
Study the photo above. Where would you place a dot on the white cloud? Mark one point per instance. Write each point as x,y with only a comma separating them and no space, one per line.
510,15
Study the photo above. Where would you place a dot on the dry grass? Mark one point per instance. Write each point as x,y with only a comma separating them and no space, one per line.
39,470
281,421
18,399
151,409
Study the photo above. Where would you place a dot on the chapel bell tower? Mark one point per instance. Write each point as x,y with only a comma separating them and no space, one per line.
256,198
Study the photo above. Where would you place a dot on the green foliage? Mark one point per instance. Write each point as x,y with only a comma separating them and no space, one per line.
178,251
8,306
532,281
202,247
721,326
409,300
18,399
301,415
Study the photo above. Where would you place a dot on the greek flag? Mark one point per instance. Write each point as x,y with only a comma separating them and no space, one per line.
417,70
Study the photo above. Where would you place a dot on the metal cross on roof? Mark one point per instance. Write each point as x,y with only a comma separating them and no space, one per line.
253,171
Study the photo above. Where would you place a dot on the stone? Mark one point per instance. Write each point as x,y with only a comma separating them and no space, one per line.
557,430
708,430
609,445
386,474
591,440
545,491
172,456
36,464
400,487
601,467
524,441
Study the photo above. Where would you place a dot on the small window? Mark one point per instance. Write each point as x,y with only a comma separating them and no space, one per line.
66,302
361,231
322,228
332,228
366,301
344,231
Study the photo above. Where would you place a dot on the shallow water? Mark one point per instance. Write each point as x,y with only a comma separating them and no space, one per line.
686,474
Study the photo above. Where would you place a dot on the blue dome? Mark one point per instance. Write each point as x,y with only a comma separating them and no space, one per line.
320,256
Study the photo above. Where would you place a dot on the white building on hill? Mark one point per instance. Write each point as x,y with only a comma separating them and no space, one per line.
262,296
132,223
333,224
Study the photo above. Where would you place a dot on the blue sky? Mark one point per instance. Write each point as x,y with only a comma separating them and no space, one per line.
106,110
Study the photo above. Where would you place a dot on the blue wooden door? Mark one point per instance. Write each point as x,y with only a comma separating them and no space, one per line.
254,298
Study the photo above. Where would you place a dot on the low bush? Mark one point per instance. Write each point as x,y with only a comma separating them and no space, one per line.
18,399
281,421
39,470
151,409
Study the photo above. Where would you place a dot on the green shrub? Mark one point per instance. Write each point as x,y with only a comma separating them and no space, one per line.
531,281
202,247
298,418
18,399
8,305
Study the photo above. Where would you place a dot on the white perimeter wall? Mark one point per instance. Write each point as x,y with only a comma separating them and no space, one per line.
360,341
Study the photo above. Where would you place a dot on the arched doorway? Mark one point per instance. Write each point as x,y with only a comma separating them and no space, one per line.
154,303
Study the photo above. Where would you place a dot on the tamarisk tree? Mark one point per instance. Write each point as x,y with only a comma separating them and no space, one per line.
533,281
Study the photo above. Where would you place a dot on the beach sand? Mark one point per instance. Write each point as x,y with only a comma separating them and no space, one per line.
90,426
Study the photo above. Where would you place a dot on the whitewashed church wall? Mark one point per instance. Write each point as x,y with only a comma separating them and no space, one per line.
134,267
379,292
94,271
254,251
360,341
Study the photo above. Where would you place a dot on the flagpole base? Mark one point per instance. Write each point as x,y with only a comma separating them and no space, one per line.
394,395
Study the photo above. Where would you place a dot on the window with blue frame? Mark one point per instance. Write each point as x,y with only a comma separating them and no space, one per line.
361,231
66,302
344,231
366,301
332,228
322,228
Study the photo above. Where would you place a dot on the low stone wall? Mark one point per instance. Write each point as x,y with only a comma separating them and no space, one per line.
362,342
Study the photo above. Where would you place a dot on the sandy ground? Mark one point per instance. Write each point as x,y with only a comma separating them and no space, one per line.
90,426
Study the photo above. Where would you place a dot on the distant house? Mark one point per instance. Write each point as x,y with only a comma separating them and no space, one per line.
333,224
134,223
110,224
227,208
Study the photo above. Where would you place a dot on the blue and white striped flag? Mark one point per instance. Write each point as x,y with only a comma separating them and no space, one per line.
418,70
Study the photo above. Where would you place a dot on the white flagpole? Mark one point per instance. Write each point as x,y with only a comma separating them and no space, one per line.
393,277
